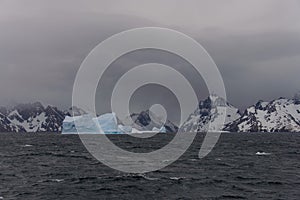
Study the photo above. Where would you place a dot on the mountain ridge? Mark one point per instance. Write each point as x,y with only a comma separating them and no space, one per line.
210,114
279,115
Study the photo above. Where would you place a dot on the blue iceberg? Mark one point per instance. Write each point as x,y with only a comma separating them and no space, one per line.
105,124
161,130
79,124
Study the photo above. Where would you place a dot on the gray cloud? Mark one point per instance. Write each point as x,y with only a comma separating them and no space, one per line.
256,44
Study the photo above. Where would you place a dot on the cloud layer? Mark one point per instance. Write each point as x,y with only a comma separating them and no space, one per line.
256,44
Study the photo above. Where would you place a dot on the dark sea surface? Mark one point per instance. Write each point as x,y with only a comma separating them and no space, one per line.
53,166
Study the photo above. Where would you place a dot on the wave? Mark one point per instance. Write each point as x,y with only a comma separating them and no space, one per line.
51,180
176,178
261,153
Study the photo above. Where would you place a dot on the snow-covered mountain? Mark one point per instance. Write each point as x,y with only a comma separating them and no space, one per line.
31,118
146,120
34,117
7,126
207,117
281,115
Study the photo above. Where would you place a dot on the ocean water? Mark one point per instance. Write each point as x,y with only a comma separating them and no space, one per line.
53,166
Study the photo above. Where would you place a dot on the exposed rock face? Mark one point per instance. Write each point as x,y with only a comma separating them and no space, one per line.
207,117
281,115
145,122
32,118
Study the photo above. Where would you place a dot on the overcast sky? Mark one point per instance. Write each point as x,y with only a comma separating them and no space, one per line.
255,43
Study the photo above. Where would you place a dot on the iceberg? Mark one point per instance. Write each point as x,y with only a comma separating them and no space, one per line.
105,124
84,124
69,125
125,129
161,130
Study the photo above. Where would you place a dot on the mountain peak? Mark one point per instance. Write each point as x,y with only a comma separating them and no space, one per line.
217,100
75,111
297,98
208,116
148,120
280,115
